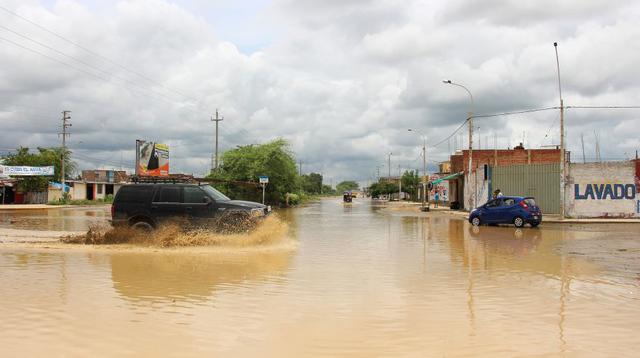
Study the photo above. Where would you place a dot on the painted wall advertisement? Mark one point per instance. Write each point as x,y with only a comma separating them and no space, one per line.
6,170
606,189
152,159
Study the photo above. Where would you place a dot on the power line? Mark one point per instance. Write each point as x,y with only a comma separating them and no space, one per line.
603,107
82,62
72,66
93,52
515,112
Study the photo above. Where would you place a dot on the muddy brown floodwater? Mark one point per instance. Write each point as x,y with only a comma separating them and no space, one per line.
359,281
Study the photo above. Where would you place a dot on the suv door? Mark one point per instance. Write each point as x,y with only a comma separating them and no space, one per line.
198,206
167,203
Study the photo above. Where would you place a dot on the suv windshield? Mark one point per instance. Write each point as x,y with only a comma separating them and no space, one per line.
216,195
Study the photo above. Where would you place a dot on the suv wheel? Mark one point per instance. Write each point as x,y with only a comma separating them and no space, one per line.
142,226
475,221
518,222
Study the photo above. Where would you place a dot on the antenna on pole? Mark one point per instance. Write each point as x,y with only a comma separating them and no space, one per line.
214,159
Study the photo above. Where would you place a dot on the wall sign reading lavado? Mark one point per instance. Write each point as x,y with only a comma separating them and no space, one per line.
605,191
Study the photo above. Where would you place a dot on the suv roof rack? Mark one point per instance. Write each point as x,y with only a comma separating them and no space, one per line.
171,179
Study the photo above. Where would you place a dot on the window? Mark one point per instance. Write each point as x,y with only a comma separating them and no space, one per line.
216,195
530,201
169,195
193,195
134,194
493,203
508,202
99,189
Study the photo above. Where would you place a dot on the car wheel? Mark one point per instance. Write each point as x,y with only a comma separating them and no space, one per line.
518,222
475,221
142,226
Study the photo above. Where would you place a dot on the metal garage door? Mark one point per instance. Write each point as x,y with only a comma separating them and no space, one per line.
541,181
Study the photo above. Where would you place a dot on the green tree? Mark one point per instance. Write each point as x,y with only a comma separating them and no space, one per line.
247,163
410,182
328,190
44,157
311,183
382,188
346,186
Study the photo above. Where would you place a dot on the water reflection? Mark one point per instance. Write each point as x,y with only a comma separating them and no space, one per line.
178,275
56,219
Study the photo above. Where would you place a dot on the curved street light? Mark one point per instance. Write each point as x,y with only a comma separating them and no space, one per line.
470,119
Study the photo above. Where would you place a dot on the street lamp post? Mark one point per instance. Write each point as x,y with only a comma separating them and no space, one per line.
390,165
470,119
562,148
425,195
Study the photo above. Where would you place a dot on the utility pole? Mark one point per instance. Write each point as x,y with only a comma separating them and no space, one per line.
390,165
300,168
66,116
214,160
399,183
562,155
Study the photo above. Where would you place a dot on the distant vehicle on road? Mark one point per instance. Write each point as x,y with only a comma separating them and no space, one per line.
347,197
144,206
514,210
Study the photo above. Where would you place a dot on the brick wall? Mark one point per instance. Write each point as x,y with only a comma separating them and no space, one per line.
504,157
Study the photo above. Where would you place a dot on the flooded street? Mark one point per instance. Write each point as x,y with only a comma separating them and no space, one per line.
353,280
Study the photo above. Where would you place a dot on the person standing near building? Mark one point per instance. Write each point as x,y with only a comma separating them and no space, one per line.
436,198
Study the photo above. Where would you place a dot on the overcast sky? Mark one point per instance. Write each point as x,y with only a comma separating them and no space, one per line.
342,80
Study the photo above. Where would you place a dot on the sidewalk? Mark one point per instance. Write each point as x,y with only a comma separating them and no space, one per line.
32,207
550,218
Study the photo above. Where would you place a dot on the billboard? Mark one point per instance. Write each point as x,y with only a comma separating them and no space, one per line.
6,170
152,159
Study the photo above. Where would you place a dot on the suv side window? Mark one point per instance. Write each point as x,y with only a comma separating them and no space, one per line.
193,195
168,194
508,202
134,194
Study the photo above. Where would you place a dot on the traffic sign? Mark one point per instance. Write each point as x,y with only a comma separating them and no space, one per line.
263,179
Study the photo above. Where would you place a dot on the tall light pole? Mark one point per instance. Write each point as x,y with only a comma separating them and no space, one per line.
390,165
562,154
470,119
425,195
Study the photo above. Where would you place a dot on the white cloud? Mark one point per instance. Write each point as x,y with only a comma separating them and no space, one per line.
342,80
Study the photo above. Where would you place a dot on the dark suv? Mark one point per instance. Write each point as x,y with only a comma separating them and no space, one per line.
144,206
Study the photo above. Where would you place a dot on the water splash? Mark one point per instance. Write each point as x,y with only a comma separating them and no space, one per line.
268,231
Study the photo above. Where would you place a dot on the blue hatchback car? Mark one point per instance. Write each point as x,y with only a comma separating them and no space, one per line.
514,210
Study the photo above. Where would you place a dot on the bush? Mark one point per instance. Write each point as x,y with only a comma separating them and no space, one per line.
293,199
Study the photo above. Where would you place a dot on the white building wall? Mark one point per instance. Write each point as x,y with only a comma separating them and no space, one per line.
596,190
79,191
475,187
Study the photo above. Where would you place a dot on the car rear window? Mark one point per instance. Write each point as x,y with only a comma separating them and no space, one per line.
134,194
530,201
